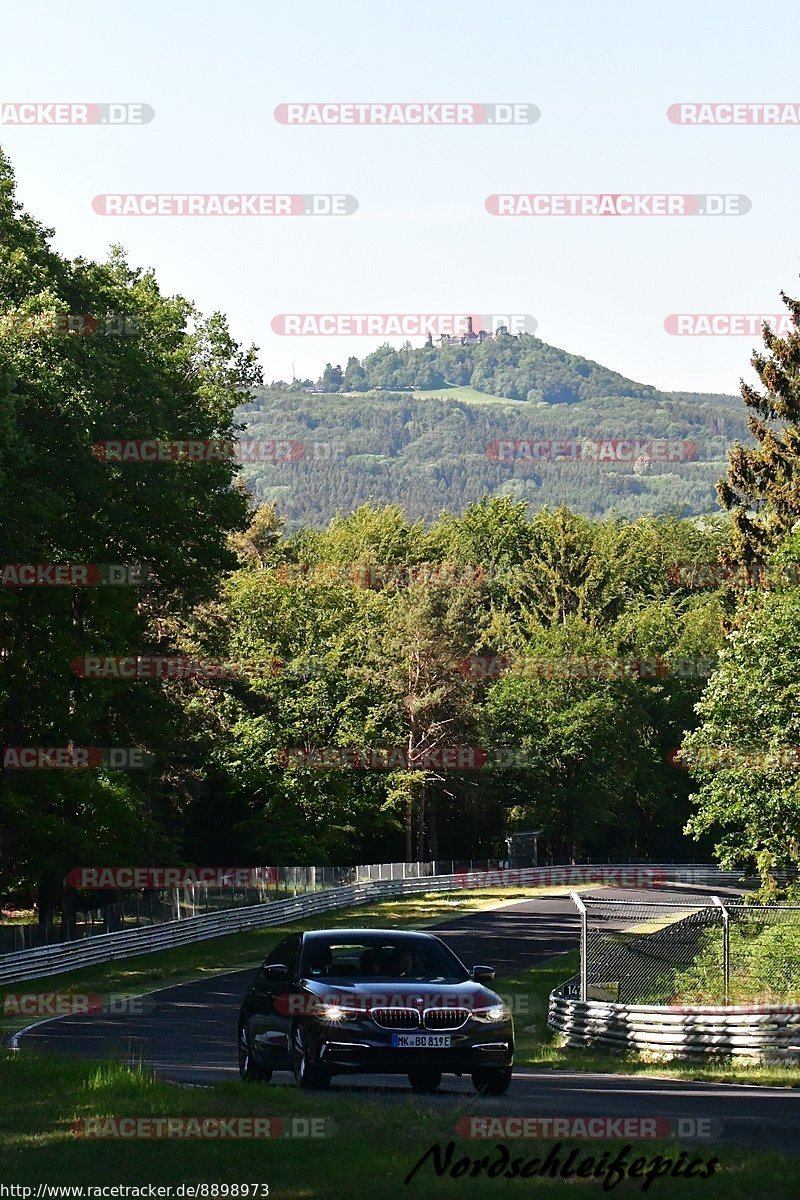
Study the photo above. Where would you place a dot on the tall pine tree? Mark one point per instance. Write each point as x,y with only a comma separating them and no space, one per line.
761,490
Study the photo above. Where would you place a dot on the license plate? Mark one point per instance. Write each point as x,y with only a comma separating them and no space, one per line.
419,1041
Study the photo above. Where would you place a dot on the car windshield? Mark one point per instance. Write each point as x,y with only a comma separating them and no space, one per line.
417,959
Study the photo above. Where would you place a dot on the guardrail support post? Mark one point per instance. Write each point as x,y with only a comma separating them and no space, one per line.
726,949
581,907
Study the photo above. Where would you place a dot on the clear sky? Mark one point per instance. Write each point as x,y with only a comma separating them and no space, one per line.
602,74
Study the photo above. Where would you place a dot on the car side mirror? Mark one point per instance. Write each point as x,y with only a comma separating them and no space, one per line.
482,974
275,971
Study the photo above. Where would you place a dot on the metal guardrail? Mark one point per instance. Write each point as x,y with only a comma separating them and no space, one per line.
757,1032
108,947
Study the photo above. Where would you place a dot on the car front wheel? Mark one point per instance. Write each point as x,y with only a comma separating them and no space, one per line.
248,1069
424,1081
492,1081
306,1071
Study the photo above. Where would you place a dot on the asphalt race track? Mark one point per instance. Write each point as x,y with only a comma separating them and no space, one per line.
189,1037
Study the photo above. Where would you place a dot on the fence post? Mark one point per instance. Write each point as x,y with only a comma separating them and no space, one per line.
581,907
726,949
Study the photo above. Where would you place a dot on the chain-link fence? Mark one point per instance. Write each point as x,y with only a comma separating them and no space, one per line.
693,951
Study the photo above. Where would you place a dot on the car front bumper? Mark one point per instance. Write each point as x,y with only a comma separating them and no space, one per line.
371,1051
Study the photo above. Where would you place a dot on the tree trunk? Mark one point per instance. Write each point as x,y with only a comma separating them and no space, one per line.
433,830
68,913
47,895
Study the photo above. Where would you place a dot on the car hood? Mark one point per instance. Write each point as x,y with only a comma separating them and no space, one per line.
380,993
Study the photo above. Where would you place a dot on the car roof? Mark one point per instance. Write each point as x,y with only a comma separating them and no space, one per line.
313,934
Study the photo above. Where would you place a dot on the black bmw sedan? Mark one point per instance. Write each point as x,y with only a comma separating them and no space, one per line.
336,1001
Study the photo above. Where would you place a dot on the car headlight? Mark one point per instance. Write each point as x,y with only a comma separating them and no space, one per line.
493,1015
336,1013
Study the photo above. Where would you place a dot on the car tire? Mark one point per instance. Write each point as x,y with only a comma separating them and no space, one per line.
249,1071
424,1081
307,1073
492,1081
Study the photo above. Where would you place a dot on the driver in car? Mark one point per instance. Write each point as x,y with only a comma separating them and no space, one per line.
402,961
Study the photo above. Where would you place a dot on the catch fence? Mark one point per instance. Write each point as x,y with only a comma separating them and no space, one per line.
694,978
691,951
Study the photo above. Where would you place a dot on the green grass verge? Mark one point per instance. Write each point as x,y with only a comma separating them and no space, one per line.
370,1151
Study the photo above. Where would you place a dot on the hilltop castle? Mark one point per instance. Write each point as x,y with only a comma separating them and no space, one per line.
470,338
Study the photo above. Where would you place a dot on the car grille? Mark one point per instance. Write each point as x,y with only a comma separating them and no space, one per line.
396,1018
445,1018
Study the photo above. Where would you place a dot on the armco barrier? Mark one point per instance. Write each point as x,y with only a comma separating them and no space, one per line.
762,1032
108,947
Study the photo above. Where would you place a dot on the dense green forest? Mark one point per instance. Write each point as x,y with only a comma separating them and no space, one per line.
354,636
432,450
